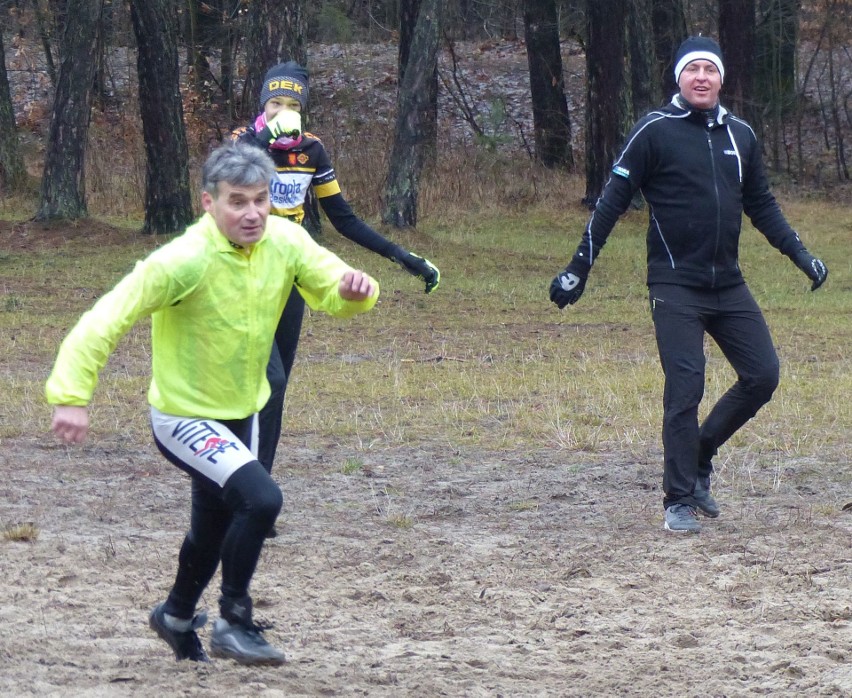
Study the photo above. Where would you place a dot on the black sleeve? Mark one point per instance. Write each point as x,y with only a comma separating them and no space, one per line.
614,201
350,226
247,135
761,207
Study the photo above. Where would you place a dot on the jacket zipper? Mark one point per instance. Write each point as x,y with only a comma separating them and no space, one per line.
718,206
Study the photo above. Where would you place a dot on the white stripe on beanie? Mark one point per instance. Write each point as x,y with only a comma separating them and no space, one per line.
699,56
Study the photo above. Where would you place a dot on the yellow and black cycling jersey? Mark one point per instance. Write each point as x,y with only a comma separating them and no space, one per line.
307,165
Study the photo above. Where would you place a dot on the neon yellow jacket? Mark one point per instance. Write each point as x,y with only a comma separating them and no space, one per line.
214,312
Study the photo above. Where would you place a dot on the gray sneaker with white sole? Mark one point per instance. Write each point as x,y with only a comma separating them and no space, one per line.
681,518
703,499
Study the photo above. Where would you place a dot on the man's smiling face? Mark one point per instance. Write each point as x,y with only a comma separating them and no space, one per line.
700,83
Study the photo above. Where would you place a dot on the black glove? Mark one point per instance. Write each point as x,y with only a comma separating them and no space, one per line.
567,287
423,269
814,268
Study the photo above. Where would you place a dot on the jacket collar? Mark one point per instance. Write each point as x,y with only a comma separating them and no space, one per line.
719,114
220,242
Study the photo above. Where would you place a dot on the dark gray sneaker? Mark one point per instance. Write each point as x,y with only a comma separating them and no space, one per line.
244,644
681,518
184,643
703,499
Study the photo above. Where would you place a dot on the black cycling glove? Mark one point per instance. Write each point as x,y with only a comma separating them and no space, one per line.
568,285
814,268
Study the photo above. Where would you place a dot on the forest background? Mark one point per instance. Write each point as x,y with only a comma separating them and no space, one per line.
471,478
591,69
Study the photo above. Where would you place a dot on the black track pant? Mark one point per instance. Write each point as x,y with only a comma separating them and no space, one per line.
732,318
278,375
234,504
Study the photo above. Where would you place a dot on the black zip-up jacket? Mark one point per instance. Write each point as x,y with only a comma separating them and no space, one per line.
698,171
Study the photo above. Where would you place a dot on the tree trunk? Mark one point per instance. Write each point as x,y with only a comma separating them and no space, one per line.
63,182
408,12
12,172
207,22
168,204
607,91
669,21
736,37
193,52
644,77
44,35
551,122
776,40
275,33
409,146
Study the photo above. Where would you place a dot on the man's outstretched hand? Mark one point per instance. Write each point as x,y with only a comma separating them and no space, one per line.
356,286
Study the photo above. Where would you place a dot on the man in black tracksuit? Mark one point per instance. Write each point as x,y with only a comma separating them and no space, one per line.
699,168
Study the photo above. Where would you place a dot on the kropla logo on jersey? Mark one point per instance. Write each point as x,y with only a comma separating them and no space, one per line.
286,192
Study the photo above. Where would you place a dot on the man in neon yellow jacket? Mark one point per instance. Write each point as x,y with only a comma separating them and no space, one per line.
214,295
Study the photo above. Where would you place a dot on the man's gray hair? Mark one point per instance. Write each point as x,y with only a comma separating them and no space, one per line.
237,164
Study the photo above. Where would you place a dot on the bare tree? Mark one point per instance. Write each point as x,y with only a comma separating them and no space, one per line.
408,12
669,21
12,172
736,37
63,182
409,146
551,121
42,24
275,33
644,76
168,204
607,91
834,108
776,40
210,27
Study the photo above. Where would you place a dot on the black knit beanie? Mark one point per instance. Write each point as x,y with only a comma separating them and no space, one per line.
698,48
285,80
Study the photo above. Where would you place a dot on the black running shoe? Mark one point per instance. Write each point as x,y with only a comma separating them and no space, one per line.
237,637
186,644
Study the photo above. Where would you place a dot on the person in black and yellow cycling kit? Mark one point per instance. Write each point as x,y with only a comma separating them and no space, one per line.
302,163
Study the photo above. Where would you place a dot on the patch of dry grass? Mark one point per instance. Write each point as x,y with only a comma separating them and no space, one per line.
21,533
486,360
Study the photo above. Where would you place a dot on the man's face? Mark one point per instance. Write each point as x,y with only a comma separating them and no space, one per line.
240,212
699,83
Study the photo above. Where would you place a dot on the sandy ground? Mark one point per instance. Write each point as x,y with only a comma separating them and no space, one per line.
433,572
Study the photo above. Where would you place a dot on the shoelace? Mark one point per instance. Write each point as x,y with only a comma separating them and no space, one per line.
255,631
